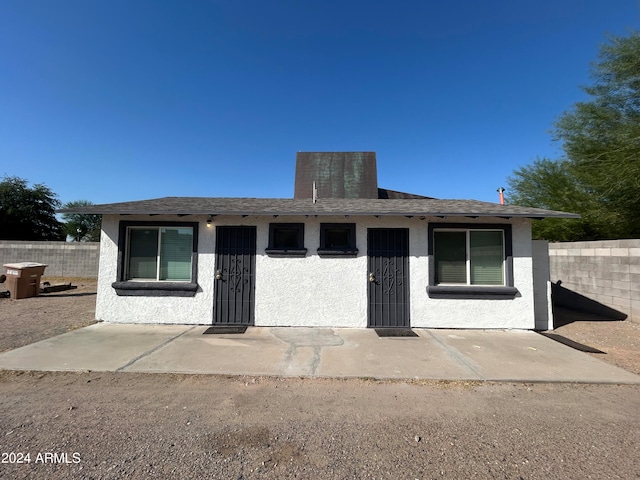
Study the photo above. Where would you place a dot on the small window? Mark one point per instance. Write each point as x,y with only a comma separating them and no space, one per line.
286,239
338,239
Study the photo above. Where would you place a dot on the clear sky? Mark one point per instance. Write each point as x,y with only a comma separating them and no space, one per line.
131,99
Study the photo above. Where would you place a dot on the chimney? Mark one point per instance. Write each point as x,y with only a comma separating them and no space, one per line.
336,175
501,195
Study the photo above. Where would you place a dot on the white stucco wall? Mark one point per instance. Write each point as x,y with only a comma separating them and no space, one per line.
514,313
314,291
181,310
311,291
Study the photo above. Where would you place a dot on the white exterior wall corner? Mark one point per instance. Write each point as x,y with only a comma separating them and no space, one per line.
165,310
315,291
517,313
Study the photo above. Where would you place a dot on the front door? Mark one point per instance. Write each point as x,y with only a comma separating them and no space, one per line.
235,276
388,261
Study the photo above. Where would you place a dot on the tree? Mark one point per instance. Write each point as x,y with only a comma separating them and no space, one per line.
549,184
28,213
82,227
599,177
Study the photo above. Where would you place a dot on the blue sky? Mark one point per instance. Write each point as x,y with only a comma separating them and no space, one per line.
122,100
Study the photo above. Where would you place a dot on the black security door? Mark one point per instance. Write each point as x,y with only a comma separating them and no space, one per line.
388,257
235,276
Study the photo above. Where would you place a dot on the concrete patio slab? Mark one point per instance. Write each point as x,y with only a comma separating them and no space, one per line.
491,355
99,347
364,354
256,352
527,356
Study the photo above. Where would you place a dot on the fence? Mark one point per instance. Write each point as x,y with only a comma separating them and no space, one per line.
605,271
64,259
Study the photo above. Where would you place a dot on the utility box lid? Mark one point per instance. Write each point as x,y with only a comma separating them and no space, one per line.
23,265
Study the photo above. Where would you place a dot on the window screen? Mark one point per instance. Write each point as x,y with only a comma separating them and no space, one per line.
175,253
450,257
337,238
286,236
143,253
486,254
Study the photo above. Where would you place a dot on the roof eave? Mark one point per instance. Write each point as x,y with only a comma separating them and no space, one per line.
499,214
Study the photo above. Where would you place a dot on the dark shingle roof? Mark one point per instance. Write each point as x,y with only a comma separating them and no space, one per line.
396,195
327,206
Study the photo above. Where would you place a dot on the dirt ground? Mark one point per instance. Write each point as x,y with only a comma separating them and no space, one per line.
95,425
29,320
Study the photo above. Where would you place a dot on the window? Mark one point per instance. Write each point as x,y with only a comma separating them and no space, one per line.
159,253
338,239
469,261
286,239
472,257
157,260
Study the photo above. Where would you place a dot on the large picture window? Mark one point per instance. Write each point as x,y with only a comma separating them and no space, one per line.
159,253
470,261
157,259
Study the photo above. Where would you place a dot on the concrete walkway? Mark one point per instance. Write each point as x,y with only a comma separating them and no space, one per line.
519,356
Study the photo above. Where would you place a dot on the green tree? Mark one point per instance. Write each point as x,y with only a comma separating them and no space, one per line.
79,226
601,137
599,176
549,184
28,213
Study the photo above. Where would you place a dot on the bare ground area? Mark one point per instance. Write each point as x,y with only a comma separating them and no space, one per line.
29,320
618,341
121,425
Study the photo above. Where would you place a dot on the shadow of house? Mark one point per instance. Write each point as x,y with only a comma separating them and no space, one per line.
570,306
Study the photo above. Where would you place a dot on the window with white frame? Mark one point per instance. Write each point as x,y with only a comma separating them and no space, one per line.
469,256
162,253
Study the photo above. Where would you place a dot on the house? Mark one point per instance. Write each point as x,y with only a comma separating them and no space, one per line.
341,253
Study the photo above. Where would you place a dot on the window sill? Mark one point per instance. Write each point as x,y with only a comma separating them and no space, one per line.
343,252
282,252
472,292
155,289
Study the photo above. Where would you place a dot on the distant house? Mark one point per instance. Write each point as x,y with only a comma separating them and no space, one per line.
342,253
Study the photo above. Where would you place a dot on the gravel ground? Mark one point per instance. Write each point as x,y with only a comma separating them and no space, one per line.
110,426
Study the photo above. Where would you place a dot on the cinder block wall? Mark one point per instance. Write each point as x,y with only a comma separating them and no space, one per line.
606,271
64,259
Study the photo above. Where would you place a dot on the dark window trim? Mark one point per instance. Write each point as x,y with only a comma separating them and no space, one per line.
125,287
286,252
508,291
350,251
